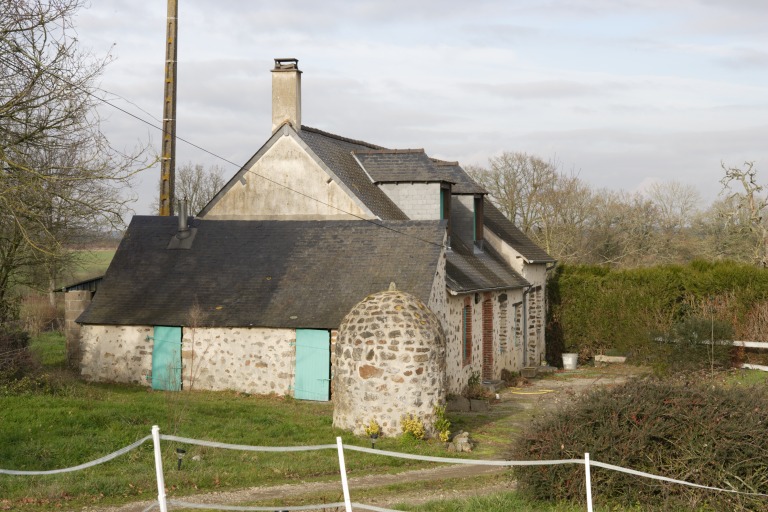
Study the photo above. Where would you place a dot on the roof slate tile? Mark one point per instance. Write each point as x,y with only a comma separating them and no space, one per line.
262,273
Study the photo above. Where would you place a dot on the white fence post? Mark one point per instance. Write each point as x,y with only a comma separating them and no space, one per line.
159,469
343,469
589,482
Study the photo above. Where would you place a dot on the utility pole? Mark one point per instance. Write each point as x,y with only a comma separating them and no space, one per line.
168,161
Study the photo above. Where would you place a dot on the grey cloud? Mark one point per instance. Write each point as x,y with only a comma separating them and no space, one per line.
744,57
547,89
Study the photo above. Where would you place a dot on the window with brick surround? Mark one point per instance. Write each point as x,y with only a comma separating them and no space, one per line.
466,324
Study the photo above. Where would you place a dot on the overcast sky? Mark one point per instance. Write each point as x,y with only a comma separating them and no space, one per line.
624,92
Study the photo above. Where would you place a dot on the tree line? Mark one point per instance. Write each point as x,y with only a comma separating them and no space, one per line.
576,223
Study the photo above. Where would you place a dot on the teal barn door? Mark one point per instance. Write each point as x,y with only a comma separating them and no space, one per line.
313,365
166,359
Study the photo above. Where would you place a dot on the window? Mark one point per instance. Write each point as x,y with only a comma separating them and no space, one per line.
467,331
478,220
503,334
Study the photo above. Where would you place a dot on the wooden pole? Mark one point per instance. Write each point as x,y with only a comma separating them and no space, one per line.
168,171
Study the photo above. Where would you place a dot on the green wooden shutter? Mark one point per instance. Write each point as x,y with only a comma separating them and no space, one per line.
166,359
313,365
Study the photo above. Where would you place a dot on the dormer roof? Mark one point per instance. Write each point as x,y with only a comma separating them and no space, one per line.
398,165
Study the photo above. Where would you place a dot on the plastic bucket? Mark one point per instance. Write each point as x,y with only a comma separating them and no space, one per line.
570,361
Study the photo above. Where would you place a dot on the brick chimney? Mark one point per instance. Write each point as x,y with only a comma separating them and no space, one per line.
286,93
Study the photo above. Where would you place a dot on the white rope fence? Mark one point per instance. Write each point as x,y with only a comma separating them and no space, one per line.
86,465
162,502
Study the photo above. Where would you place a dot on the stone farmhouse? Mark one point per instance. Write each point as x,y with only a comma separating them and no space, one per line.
249,294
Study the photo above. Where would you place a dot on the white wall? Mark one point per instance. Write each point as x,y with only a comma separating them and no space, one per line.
289,167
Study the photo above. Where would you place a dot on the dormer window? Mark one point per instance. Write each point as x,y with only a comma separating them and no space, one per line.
445,201
478,222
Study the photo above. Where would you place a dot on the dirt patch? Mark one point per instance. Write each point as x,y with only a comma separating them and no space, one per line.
493,431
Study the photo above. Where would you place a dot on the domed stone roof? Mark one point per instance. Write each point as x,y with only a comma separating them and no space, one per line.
390,362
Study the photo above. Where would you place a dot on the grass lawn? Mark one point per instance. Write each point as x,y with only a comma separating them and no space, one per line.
58,422
89,263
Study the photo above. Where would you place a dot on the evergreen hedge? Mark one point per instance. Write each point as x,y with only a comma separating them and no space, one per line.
601,310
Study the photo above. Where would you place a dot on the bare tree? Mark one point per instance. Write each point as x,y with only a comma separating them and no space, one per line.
59,174
551,207
517,183
724,232
750,204
677,208
198,185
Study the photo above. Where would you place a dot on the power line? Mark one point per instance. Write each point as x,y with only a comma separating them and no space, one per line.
215,155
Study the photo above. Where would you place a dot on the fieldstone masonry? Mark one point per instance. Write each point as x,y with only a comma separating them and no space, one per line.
390,362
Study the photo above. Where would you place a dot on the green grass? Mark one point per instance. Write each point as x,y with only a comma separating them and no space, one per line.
50,349
59,422
746,377
89,264
504,502
69,422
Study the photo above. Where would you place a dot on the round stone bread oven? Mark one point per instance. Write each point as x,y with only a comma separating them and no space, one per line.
390,362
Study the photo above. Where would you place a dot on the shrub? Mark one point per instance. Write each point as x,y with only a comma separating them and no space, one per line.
693,344
413,427
38,315
475,389
372,429
686,430
597,309
442,424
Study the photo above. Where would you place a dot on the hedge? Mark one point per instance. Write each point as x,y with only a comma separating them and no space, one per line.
600,310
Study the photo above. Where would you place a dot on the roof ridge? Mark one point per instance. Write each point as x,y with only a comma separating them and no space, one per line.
339,137
437,161
389,151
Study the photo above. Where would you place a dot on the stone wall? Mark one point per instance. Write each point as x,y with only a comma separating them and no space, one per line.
117,353
251,360
506,346
536,304
390,361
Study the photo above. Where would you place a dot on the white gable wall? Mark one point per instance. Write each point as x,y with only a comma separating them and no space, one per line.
290,168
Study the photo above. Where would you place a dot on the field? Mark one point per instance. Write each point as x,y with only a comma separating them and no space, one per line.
56,421
90,263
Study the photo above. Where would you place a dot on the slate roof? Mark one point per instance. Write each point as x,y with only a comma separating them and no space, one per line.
361,164
462,182
398,165
507,231
336,152
290,274
468,271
